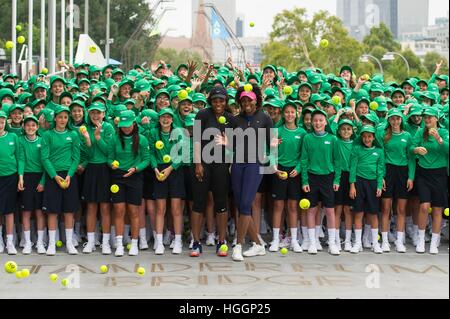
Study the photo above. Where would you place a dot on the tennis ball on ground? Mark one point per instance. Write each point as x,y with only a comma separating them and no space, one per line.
19,275
324,43
44,71
82,129
141,271
9,45
53,277
59,244
373,106
92,49
446,212
224,248
18,28
65,282
284,251
304,203
25,273
222,120
115,164
252,24
159,145
287,90
183,94
103,269
336,99
248,87
21,39
166,158
10,267
114,188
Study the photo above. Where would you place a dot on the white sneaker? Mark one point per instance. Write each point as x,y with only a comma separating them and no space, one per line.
172,244
75,240
333,249
168,237
366,243
11,249
89,247
71,250
211,240
376,248
119,251
143,245
22,241
275,246
305,244
106,249
400,247
134,251
159,249
191,244
347,246
295,246
386,247
177,248
312,249
40,248
255,250
237,253
356,248
263,243
434,249
51,249
27,248
319,246
420,247
285,242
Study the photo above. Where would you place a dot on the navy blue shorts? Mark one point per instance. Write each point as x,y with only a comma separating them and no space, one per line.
432,186
342,196
97,184
8,194
285,189
59,201
366,196
396,179
171,187
148,191
321,190
30,199
130,188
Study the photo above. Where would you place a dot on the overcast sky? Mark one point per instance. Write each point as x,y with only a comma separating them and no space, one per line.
180,19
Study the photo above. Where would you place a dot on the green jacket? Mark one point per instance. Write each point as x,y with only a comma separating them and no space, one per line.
437,156
9,154
367,163
174,143
125,155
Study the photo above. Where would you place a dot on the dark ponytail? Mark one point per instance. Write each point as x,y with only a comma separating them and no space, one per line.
135,138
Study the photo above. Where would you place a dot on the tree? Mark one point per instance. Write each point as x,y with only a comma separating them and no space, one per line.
430,60
381,36
176,58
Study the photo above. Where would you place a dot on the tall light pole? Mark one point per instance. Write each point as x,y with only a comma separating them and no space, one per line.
389,56
71,32
107,31
51,36
365,58
30,35
14,35
63,30
86,16
42,57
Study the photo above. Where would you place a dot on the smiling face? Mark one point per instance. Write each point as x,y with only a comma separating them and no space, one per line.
16,116
304,93
162,101
218,105
124,91
268,72
307,121
274,112
367,139
319,121
61,120
362,108
248,105
77,113
395,122
57,88
40,94
185,107
346,75
31,128
66,101
165,121
346,131
290,114
398,98
96,116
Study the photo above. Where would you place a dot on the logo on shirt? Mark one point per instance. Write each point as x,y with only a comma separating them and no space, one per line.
11,143
327,142
375,153
38,145
403,140
68,138
298,137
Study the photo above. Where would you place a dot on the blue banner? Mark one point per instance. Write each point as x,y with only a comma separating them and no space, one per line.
217,28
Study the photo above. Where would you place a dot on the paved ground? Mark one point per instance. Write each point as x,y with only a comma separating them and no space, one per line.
272,276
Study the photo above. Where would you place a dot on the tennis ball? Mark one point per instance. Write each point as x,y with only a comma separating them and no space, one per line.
430,210
18,28
252,24
248,87
44,71
160,177
115,164
159,145
19,275
324,43
82,129
128,246
21,39
379,237
10,267
65,282
287,90
222,120
373,106
141,271
59,244
284,251
366,77
166,158
188,89
103,269
25,273
446,212
224,248
336,99
284,174
53,277
9,45
92,49
183,94
114,188
233,84
304,203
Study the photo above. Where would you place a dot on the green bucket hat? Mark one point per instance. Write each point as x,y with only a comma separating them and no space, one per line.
431,111
77,103
199,97
415,110
318,111
304,84
166,110
14,107
275,102
31,118
394,112
315,78
59,109
48,115
346,121
162,91
367,129
376,87
3,115
97,107
126,119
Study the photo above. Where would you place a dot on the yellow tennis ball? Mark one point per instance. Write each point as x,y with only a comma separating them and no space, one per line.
252,24
284,251
430,210
166,158
224,248
159,145
366,77
379,237
103,269
183,94
21,39
115,164
114,188
188,89
287,90
59,244
19,275
284,174
82,129
92,49
248,87
53,277
44,71
304,203
18,28
25,273
336,99
324,43
141,271
10,267
9,45
446,212
65,282
373,106
128,246
222,119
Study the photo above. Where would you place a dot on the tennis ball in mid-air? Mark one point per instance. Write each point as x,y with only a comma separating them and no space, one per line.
336,99
25,273
159,145
252,24
53,277
304,203
65,282
9,45
248,87
324,43
21,39
18,28
44,71
183,94
92,49
19,275
166,158
114,188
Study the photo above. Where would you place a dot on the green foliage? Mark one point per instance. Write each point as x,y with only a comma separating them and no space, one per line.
176,58
430,60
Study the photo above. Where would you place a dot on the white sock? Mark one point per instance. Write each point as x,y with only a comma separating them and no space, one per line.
40,236
9,239
51,237
119,241
178,238
106,238
400,236
69,236
154,235
305,233
134,242
27,234
415,229
367,229
159,238
435,237
331,236
312,235
126,232
358,236
143,233
91,238
338,235
385,237
276,234
318,233
421,233
375,236
293,234
348,235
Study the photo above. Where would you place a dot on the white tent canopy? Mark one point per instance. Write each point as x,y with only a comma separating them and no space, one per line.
84,54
